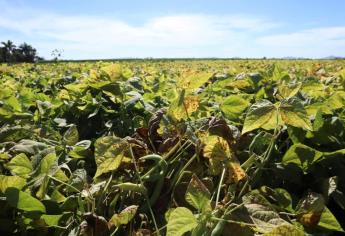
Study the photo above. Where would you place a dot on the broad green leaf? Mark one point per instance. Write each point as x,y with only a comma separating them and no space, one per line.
109,152
233,106
14,103
278,196
51,220
328,221
301,155
80,149
20,165
71,136
47,166
181,220
197,194
314,89
293,113
262,113
57,196
11,181
112,71
336,101
304,156
23,201
124,217
287,90
279,74
78,180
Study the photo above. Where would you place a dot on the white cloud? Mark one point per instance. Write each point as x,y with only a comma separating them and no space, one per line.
316,42
193,35
188,35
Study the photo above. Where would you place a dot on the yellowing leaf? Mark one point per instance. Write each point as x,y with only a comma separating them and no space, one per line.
11,181
285,230
124,217
217,150
109,152
236,173
113,71
183,106
191,81
293,113
20,165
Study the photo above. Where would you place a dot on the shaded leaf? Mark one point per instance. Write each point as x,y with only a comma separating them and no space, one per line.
23,201
197,194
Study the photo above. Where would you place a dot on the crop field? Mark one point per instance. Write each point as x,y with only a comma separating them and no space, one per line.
173,147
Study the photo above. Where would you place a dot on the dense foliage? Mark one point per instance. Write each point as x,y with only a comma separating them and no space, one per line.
11,53
173,147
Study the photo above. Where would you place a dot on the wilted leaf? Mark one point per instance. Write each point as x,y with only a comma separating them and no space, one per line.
94,225
217,150
184,106
124,217
310,209
236,173
285,230
29,147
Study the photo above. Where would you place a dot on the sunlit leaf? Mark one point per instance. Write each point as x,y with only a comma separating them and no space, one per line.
181,220
109,152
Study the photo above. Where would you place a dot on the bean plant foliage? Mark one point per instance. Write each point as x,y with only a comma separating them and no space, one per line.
173,148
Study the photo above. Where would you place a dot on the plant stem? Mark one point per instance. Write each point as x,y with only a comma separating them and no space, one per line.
145,194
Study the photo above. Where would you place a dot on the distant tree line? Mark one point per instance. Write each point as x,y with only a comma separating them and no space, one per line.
10,53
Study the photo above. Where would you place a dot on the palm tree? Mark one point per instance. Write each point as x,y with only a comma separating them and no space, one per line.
27,52
8,48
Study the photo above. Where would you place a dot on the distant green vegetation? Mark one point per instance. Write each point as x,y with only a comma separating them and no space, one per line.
200,147
24,53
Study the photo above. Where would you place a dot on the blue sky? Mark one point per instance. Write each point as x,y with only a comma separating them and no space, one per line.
99,29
